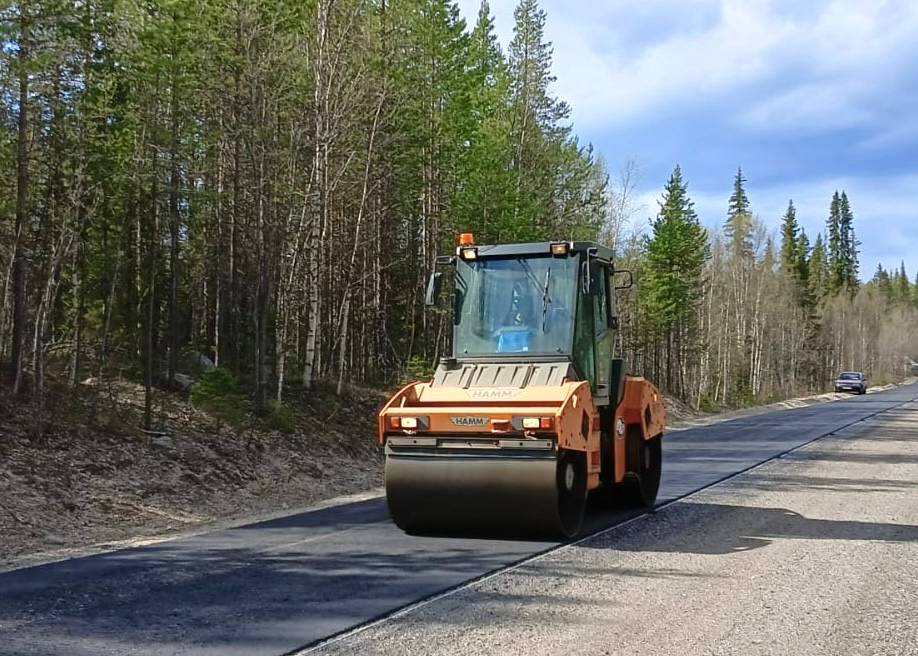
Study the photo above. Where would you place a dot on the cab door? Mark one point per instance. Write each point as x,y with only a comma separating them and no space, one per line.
593,335
603,334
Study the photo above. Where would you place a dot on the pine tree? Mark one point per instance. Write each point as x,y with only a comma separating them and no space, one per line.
557,182
789,229
485,198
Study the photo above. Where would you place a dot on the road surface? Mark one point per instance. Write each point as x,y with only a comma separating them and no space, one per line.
274,587
814,554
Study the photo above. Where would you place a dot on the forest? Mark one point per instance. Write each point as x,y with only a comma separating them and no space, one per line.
265,185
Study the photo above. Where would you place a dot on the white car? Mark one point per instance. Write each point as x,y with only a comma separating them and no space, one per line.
851,381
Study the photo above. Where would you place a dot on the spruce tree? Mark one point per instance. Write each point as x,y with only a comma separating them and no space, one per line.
848,245
789,228
672,287
739,202
883,283
819,269
802,271
834,257
738,227
903,289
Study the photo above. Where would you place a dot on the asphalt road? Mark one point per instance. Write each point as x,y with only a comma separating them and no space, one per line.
272,587
813,554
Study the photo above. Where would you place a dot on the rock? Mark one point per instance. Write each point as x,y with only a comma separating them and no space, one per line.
54,538
202,360
184,381
163,441
180,382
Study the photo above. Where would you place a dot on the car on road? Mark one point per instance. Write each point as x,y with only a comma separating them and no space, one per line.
851,381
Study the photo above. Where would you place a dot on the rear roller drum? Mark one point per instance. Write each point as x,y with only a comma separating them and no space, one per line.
645,482
572,491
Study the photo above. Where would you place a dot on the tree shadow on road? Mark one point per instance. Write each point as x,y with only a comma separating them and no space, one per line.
732,529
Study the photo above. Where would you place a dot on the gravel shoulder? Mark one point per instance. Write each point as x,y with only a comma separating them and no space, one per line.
813,553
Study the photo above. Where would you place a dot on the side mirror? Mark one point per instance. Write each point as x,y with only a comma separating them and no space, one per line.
433,288
628,279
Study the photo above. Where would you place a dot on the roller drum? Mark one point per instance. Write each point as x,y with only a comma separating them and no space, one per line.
474,493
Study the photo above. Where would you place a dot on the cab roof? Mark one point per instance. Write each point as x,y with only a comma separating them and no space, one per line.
542,248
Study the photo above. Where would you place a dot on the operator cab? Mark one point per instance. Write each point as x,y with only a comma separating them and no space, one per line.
534,303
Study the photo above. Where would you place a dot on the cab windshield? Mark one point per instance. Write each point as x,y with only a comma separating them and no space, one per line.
515,305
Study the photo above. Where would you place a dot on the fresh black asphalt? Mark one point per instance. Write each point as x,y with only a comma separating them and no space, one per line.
271,587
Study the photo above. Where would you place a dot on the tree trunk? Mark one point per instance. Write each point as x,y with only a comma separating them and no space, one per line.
319,200
22,196
174,226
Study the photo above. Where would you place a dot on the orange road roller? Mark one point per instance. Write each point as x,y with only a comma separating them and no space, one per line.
531,413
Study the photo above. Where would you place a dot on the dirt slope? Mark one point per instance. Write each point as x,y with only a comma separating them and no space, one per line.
95,481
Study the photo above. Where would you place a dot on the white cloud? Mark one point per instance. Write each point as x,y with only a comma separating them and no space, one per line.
763,83
738,56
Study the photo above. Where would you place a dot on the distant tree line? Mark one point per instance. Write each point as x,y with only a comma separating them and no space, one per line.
268,182
733,318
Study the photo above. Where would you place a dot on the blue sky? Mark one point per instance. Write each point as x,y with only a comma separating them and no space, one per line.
808,96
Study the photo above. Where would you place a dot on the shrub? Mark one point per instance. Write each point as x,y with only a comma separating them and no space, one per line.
281,418
706,404
217,393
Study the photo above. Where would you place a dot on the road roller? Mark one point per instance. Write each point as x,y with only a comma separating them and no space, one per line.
531,414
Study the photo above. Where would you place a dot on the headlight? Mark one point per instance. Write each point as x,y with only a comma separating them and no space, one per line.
408,423
535,423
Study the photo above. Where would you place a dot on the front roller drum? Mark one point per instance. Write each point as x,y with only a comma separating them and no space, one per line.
501,493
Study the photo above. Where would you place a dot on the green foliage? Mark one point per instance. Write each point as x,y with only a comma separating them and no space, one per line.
675,256
217,392
819,269
418,369
558,191
842,253
280,418
903,291
738,227
706,403
801,272
789,230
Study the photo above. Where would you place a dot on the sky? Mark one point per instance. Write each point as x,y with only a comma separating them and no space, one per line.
808,96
